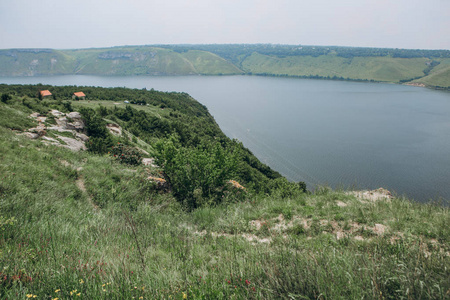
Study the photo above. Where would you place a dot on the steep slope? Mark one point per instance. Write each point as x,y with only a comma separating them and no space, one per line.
439,75
360,68
32,62
79,225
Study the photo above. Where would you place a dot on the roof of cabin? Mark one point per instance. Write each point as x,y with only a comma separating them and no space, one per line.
45,93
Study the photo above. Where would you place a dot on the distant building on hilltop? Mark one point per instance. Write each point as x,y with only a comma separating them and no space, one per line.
44,94
79,96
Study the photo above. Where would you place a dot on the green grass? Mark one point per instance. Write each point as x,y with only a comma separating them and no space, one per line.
360,68
75,223
154,110
439,76
210,64
151,61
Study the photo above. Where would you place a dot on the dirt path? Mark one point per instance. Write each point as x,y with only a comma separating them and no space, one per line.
80,183
81,186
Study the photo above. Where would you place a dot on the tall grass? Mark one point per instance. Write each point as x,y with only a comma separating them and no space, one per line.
120,237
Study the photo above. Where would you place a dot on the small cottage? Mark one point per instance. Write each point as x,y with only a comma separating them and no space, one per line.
44,94
79,96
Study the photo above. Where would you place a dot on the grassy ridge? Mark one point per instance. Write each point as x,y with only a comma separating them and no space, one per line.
77,225
439,76
113,61
360,68
37,62
371,64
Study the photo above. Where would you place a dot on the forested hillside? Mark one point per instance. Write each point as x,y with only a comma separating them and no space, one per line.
161,122
427,67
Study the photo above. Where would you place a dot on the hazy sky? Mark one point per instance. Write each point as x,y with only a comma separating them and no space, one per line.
64,24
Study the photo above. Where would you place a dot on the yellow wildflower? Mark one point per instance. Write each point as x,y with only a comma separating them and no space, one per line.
29,295
79,294
81,281
57,291
184,296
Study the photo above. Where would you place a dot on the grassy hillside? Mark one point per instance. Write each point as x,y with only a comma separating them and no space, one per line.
428,67
439,76
83,225
31,62
113,61
359,68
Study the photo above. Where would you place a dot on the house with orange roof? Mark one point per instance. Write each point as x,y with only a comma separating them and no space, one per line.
79,95
44,94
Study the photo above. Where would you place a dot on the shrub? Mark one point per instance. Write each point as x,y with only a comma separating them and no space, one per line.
6,97
198,175
285,188
126,154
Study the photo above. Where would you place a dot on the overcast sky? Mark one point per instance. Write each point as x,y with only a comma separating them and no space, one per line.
68,24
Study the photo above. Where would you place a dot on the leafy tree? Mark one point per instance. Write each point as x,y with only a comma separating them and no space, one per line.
6,97
100,140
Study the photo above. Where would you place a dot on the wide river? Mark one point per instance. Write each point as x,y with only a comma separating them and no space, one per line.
343,134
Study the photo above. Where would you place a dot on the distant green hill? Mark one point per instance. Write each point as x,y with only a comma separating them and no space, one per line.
439,76
358,68
427,67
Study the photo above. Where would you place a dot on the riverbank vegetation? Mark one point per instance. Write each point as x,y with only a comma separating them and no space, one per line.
424,67
204,220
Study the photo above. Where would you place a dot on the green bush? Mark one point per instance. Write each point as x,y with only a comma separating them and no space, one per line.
285,188
198,175
6,97
100,140
126,154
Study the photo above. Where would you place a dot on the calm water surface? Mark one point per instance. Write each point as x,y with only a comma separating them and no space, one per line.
343,134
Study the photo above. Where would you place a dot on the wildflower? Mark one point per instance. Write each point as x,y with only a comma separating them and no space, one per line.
79,294
184,296
81,281
29,295
55,298
57,291
247,282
